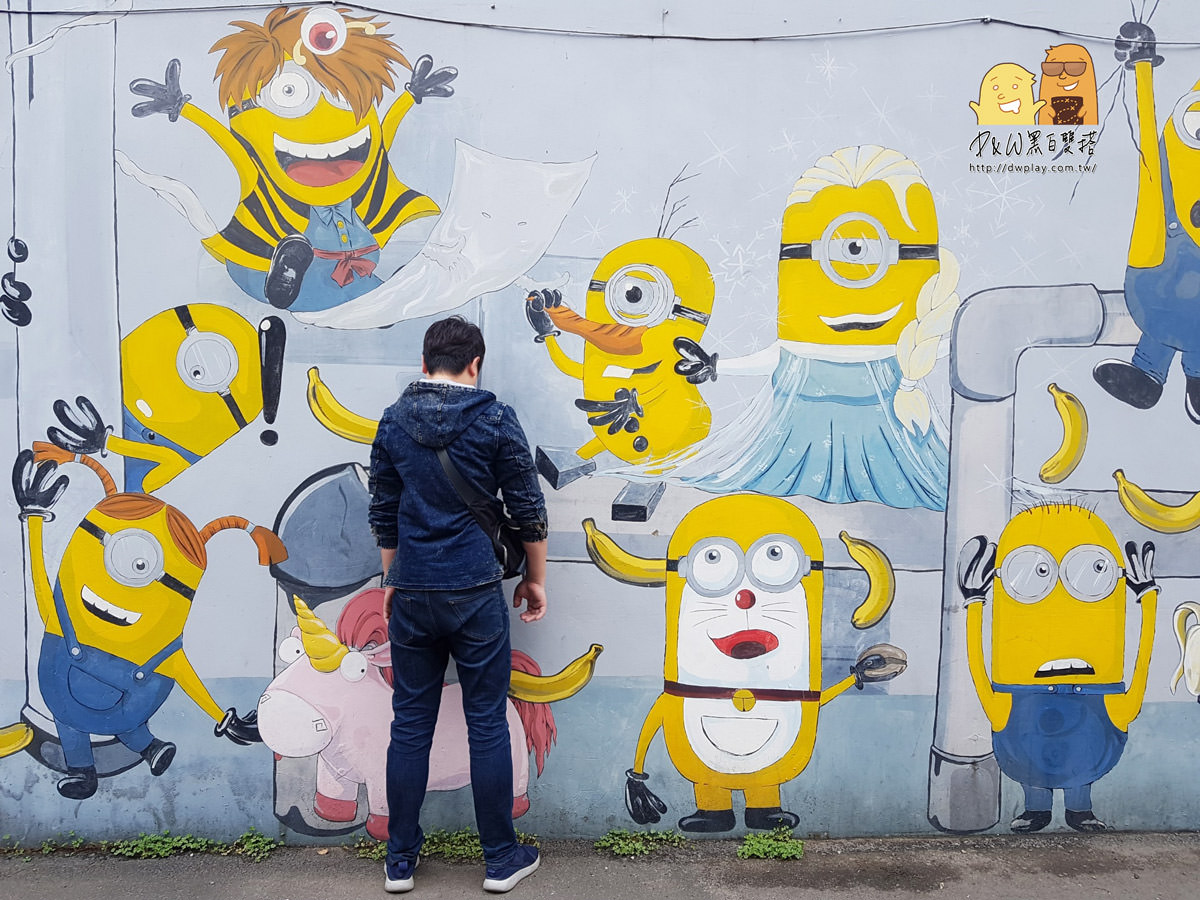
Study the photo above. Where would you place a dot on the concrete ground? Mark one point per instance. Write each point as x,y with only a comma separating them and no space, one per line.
1150,866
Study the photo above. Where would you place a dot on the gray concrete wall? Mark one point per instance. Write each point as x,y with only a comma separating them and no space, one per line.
585,115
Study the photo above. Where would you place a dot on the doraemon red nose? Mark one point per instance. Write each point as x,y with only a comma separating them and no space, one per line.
744,599
323,31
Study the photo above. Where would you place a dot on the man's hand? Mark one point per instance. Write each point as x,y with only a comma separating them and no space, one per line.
533,595
388,593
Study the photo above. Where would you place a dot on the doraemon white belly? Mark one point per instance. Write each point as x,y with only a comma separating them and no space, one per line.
738,743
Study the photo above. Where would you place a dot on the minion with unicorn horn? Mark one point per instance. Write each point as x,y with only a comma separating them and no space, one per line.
114,618
318,195
866,299
743,686
1056,697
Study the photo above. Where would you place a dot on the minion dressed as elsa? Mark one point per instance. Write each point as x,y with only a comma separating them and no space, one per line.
866,298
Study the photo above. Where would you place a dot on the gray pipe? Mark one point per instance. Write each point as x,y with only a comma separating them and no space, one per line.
991,331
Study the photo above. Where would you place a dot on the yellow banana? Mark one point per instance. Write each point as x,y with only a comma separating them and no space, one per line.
621,564
330,413
549,688
882,589
14,738
1075,433
1155,514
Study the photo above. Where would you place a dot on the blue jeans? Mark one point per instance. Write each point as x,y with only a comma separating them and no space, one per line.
426,628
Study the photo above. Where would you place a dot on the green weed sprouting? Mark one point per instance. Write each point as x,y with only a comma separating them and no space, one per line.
775,844
622,842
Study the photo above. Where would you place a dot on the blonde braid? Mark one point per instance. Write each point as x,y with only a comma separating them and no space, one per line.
919,342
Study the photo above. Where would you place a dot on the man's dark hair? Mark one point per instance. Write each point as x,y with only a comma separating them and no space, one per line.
451,344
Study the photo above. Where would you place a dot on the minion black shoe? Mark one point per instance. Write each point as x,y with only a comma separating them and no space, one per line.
159,756
78,784
768,817
1191,399
1127,383
1031,820
708,821
291,259
1084,821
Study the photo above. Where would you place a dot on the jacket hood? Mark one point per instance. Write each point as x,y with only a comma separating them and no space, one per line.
435,413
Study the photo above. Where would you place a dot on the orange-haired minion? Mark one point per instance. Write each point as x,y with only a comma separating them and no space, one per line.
318,195
114,616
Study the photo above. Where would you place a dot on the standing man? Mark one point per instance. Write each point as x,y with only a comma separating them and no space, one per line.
443,594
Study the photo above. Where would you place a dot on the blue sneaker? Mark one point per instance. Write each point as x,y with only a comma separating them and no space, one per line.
398,876
503,879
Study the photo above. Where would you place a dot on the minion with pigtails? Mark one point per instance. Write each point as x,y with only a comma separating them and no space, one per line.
318,196
115,613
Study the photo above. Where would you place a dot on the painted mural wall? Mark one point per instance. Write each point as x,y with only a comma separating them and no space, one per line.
846,344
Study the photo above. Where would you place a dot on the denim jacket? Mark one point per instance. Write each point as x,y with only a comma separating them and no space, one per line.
416,510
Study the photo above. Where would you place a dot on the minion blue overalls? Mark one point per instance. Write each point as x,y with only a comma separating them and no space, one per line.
1164,300
1058,736
90,691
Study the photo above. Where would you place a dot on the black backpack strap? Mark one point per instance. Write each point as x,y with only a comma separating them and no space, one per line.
470,497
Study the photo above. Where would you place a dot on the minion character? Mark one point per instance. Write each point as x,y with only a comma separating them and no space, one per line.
191,378
1161,283
319,198
1056,697
114,617
644,298
866,297
1006,97
1068,87
742,687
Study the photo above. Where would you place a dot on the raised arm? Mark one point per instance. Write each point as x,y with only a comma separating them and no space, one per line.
976,569
37,487
425,81
1136,48
167,98
1139,579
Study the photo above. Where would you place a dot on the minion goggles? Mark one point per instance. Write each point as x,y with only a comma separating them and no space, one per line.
134,557
207,362
774,563
642,295
1088,572
1187,120
875,254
